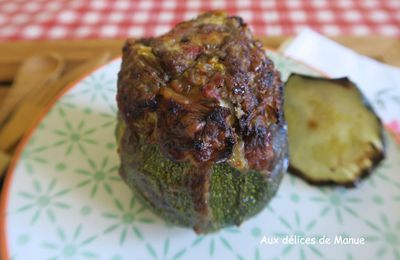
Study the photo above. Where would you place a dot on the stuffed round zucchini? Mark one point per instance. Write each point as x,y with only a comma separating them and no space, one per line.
201,133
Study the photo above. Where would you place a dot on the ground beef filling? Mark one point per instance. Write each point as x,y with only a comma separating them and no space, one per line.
204,92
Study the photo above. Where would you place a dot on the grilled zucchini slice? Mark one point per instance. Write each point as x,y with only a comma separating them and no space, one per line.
335,137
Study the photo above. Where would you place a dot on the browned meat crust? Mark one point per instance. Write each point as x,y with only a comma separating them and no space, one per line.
205,92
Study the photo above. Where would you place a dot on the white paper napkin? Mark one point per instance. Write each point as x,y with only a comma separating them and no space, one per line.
379,82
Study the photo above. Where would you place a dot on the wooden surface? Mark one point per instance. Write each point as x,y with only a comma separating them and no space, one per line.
12,54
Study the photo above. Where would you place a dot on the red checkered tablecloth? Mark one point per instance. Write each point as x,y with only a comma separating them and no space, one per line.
74,19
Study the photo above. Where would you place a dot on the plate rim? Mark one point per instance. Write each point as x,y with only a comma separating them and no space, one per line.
9,175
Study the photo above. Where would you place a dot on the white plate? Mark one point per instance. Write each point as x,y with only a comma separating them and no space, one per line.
65,200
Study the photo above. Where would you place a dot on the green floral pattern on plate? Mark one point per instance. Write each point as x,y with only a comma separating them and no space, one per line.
67,201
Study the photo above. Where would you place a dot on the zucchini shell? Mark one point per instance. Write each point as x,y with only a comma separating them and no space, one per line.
335,137
205,200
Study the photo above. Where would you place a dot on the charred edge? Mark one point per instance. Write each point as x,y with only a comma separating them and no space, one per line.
243,123
341,80
226,154
281,113
147,104
172,106
218,116
139,109
344,82
376,160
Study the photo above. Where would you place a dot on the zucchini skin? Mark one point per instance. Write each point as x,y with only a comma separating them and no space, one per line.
377,157
203,199
350,184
